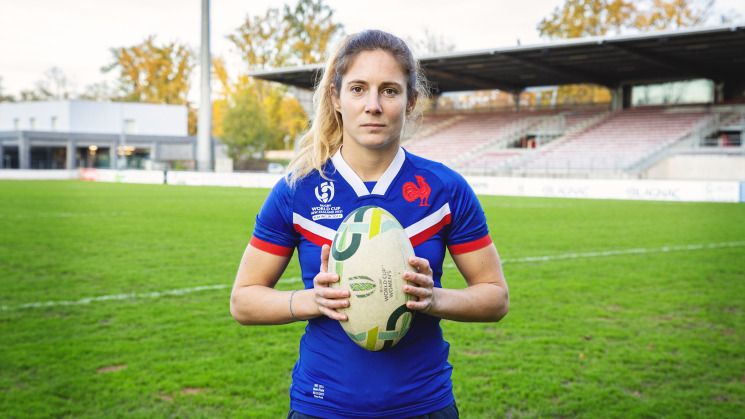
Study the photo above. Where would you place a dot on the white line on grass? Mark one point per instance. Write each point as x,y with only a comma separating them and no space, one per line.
624,252
183,291
617,252
68,214
130,296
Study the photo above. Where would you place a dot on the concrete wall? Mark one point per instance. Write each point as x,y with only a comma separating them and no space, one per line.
95,117
647,190
41,112
699,167
148,119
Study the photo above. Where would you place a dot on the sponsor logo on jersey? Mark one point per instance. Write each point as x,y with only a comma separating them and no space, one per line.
411,191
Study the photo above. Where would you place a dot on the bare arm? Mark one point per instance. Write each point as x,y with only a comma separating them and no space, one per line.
254,300
486,299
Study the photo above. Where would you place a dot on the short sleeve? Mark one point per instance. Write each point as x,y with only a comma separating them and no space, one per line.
468,230
273,230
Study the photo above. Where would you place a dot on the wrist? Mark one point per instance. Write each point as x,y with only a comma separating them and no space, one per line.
304,305
431,309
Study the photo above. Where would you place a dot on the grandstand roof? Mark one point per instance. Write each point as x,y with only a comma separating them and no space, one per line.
716,53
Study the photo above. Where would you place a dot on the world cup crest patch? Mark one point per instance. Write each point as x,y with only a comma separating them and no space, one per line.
325,192
325,211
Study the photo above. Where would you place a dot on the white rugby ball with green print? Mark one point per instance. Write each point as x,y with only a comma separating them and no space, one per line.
370,252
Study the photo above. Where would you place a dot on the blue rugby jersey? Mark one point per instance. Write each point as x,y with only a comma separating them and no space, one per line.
333,376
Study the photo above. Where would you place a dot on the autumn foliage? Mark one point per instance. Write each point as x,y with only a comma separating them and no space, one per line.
579,18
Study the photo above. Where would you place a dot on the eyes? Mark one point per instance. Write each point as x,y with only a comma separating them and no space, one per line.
387,91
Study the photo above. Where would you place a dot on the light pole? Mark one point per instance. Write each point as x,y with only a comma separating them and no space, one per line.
204,123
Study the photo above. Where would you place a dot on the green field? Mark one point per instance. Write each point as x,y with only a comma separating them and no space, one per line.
114,302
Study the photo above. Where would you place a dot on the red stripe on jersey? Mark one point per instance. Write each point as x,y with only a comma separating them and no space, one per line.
271,248
422,237
456,249
312,237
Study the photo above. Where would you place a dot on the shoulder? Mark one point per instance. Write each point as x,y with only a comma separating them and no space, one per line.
446,175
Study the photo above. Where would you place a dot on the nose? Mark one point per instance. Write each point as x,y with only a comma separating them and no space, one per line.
373,104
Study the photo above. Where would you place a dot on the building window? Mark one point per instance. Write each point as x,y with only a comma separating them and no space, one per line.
55,124
32,124
16,124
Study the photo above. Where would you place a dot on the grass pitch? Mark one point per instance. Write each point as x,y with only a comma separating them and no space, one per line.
114,302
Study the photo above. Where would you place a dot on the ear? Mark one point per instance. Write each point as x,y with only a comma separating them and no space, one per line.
411,105
335,98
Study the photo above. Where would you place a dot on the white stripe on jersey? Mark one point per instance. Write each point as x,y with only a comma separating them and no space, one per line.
313,227
428,221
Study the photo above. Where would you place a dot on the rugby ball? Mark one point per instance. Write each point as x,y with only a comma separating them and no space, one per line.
370,252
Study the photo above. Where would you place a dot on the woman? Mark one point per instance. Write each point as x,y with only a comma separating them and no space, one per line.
352,157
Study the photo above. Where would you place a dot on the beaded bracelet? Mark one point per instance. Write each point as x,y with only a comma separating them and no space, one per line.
291,313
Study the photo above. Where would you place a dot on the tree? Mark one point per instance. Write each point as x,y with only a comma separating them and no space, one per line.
579,18
431,43
101,92
262,40
54,86
673,14
311,30
285,115
3,96
245,111
296,35
150,73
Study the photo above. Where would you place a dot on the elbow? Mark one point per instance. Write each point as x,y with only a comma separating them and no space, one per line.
240,315
502,307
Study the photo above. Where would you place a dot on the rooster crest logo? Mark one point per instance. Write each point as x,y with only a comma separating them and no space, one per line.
421,190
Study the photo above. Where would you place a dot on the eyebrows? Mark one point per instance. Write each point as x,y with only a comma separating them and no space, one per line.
366,83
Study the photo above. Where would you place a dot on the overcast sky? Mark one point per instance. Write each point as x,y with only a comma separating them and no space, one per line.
76,35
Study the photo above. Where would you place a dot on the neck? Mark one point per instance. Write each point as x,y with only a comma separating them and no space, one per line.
369,165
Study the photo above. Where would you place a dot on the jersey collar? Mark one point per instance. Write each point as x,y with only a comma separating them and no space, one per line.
381,187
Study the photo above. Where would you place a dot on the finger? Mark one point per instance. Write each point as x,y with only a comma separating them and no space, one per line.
421,305
332,303
419,292
331,293
325,278
325,251
418,279
333,314
420,263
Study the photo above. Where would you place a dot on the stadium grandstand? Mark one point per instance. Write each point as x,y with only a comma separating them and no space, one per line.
619,139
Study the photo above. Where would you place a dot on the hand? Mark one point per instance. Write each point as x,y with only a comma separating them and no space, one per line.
423,286
329,299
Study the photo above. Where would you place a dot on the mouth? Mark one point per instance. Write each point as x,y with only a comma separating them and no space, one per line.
373,126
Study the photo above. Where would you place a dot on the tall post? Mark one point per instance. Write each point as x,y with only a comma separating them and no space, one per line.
204,124
24,152
70,154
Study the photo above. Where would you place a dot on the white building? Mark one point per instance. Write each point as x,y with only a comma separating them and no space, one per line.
73,133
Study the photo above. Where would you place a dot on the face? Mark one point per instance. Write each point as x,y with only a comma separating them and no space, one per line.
372,101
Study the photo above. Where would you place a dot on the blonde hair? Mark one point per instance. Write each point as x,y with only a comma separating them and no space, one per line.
324,138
